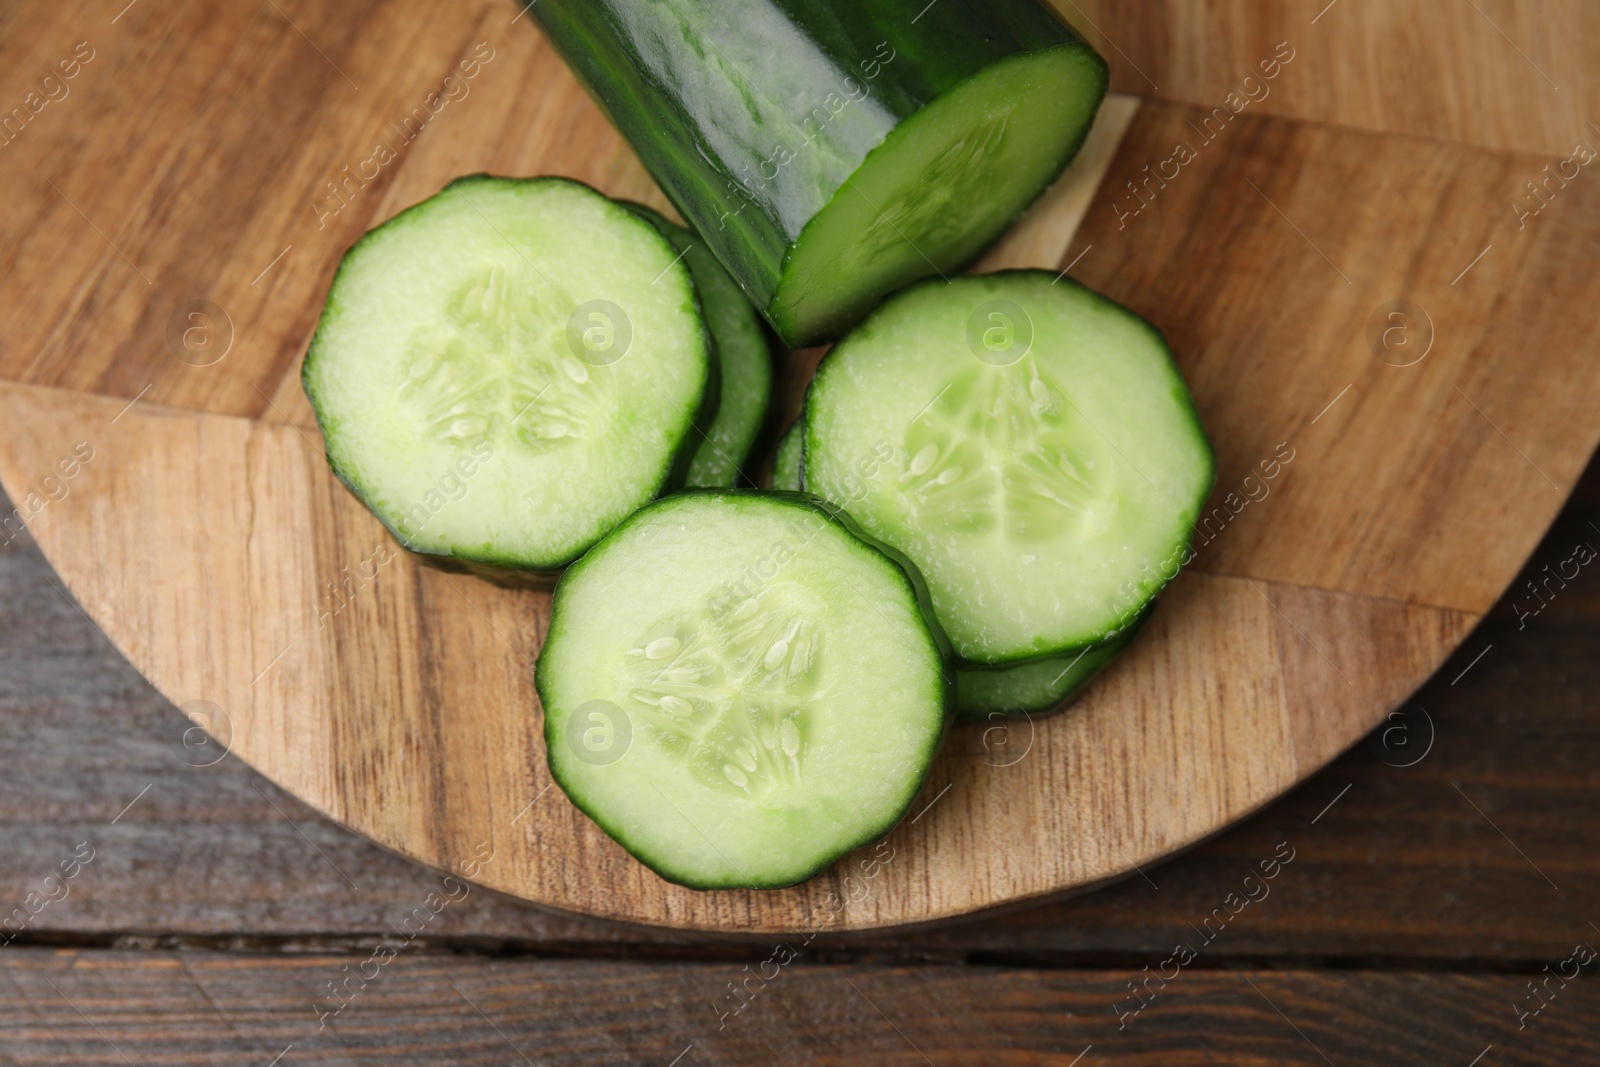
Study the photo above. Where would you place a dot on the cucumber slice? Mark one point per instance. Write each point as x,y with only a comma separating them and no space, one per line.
743,357
786,460
1048,683
740,689
505,371
831,152
1028,443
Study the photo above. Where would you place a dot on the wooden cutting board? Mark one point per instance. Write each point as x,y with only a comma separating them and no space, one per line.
174,212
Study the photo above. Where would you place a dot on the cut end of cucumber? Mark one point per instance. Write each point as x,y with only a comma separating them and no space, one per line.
1027,443
787,459
507,370
739,690
941,186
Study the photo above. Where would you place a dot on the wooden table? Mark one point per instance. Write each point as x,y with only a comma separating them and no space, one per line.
160,903
216,910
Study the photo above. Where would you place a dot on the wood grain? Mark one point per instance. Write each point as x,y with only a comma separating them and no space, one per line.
203,536
1401,866
356,710
1264,262
110,1008
1510,74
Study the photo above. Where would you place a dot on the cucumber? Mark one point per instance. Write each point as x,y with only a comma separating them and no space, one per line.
1046,683
505,371
739,688
1028,443
786,459
743,358
831,152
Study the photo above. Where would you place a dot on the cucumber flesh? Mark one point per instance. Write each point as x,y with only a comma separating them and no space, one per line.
743,357
505,371
786,460
1048,683
943,185
1045,487
830,152
739,689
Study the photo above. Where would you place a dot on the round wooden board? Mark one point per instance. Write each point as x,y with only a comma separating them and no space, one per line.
208,540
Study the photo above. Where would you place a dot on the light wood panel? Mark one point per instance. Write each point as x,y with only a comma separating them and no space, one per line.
203,534
1511,74
410,713
1265,261
211,856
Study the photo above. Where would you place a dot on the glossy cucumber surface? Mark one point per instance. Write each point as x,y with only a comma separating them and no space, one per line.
831,152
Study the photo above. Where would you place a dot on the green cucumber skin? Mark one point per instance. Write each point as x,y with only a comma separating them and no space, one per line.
506,577
688,240
914,585
711,161
505,573
1146,605
710,397
1117,645
790,444
704,416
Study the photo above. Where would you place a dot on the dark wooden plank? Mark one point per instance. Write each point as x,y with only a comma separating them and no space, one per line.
169,1008
1402,866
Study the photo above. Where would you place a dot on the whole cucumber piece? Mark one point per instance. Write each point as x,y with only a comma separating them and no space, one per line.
829,152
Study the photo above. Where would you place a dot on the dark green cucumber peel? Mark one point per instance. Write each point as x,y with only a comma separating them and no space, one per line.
555,724
744,361
827,152
1046,685
501,568
827,470
788,460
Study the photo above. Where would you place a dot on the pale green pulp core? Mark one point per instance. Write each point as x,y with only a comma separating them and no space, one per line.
727,688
